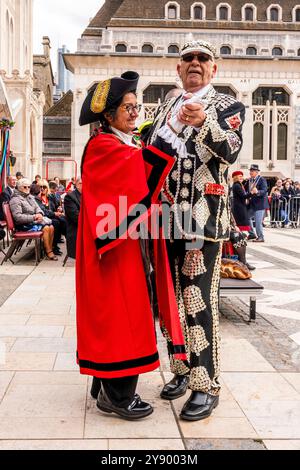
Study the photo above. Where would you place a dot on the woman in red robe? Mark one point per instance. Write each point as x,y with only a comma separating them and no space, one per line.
121,182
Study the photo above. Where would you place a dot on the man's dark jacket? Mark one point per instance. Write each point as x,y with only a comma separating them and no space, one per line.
5,196
72,204
258,202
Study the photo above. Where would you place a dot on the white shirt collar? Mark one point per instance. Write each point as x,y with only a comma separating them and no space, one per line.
126,138
201,93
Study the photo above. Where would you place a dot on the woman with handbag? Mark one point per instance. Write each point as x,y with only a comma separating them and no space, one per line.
240,220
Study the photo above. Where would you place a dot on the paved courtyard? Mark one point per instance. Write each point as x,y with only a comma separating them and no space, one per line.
45,403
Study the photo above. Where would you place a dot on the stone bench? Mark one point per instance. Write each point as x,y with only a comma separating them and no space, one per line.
242,288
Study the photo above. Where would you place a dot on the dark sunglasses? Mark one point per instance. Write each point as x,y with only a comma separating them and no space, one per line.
44,187
200,58
26,187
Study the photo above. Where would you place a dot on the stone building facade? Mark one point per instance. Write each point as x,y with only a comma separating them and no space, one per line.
43,78
16,71
259,48
57,159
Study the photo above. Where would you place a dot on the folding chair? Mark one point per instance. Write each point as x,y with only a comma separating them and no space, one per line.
19,238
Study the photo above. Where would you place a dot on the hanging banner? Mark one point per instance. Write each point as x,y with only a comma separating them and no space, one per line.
5,127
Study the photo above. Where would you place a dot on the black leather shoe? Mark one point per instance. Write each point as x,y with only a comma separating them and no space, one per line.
136,410
176,388
96,387
199,406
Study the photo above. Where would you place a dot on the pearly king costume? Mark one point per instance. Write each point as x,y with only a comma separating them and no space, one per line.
197,191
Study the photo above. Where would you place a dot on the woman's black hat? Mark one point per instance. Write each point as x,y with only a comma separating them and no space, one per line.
104,95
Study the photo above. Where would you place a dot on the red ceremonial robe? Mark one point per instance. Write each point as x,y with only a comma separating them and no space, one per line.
116,335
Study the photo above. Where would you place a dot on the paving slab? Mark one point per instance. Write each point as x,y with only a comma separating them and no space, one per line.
160,425
146,444
65,445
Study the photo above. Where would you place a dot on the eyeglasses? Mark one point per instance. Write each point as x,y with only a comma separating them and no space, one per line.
26,187
130,108
201,58
44,187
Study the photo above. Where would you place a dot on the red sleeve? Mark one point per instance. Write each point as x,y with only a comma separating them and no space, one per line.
117,187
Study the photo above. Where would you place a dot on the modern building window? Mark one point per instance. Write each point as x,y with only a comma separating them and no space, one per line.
274,14
173,49
225,50
251,50
223,14
264,94
258,141
198,13
282,142
226,90
147,49
277,51
249,14
121,48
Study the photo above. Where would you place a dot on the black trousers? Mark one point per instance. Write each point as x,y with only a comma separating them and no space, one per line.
196,277
120,391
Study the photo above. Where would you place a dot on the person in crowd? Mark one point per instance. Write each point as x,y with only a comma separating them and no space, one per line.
36,192
28,216
297,188
116,337
288,194
257,186
72,205
50,201
241,217
6,195
71,185
54,197
19,175
60,187
202,128
37,179
278,186
279,212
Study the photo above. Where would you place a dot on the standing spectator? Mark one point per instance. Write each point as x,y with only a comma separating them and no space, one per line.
7,193
278,186
288,193
278,209
297,188
72,209
241,218
257,187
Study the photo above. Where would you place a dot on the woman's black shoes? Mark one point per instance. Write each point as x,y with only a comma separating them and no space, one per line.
137,409
176,388
96,387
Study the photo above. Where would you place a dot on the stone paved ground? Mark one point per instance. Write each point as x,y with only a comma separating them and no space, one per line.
45,403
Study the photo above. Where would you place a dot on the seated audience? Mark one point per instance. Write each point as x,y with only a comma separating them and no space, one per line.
29,217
